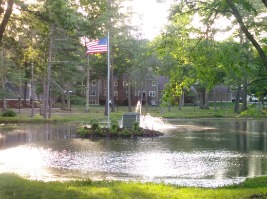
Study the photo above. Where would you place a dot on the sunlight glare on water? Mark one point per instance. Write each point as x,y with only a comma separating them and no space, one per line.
174,168
27,161
191,153
154,123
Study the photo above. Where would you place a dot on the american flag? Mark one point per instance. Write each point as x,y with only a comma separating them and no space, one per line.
97,46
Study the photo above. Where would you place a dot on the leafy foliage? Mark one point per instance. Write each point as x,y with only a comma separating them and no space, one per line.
9,113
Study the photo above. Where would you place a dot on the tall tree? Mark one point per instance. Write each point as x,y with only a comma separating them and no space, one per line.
6,8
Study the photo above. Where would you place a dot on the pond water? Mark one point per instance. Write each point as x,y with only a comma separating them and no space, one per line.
203,153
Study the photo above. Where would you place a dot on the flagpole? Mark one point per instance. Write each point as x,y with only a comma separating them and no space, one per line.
108,82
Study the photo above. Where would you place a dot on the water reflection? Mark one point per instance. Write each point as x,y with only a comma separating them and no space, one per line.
12,134
206,153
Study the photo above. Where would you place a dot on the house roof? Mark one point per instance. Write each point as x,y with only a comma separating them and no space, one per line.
221,89
14,91
162,80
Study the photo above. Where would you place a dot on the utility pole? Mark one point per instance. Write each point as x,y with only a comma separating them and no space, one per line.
87,93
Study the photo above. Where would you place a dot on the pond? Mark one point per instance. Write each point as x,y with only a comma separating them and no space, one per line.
201,153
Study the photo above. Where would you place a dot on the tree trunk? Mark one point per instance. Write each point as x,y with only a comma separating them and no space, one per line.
106,101
68,96
4,103
146,101
6,18
47,88
32,92
247,33
206,99
44,108
129,97
3,80
201,98
112,87
214,100
25,91
237,100
181,101
259,105
226,111
244,96
68,101
63,100
87,87
121,94
50,106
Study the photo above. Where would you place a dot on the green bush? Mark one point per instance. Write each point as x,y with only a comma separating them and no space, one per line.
93,121
81,133
95,126
135,127
76,100
114,126
250,112
125,132
9,113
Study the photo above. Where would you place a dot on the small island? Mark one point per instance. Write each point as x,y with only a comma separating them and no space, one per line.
115,131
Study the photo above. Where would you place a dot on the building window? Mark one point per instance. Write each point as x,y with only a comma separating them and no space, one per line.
83,83
93,83
116,83
116,93
154,83
92,102
92,93
152,93
125,83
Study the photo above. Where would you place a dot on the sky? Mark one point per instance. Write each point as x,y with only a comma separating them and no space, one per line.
154,16
150,16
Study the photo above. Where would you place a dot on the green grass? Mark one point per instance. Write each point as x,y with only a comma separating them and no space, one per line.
77,113
15,187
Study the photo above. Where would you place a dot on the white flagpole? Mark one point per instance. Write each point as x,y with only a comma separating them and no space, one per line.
108,82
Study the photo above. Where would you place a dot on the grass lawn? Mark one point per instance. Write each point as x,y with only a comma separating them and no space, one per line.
15,187
77,113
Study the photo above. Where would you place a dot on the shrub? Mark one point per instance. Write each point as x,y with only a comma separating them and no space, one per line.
250,112
114,126
135,126
125,132
95,126
9,113
77,100
82,133
93,121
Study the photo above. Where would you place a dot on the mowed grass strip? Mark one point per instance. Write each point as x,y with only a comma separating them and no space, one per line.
78,115
13,187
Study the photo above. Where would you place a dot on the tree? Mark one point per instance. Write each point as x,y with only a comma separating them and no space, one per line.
5,14
245,28
31,29
188,44
210,11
